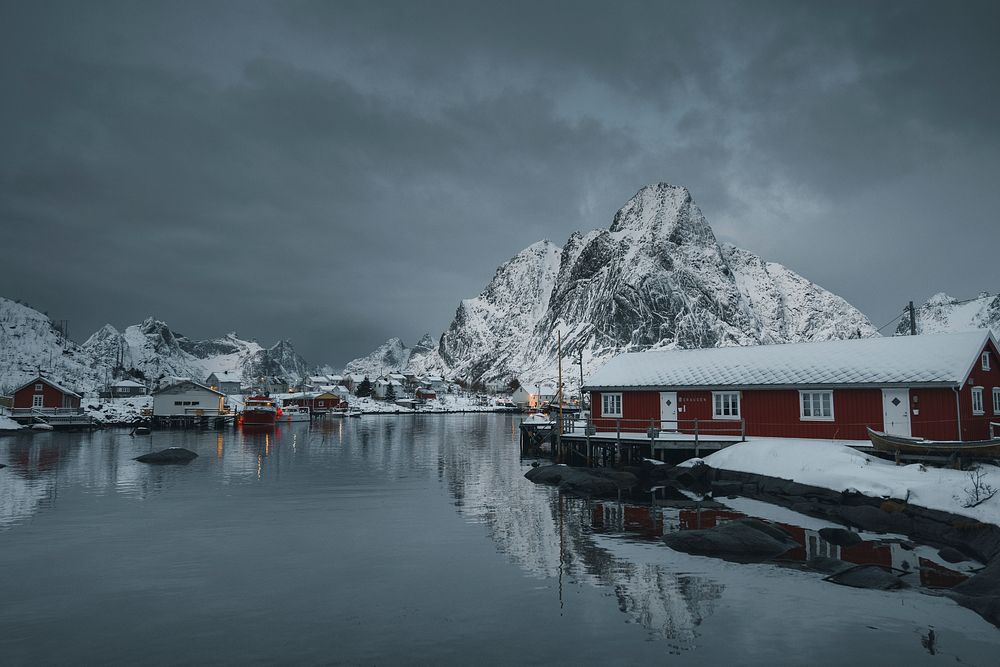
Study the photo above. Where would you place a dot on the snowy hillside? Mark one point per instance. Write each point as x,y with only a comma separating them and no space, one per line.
942,314
28,340
656,278
394,355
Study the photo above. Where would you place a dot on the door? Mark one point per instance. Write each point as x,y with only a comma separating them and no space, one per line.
896,411
668,410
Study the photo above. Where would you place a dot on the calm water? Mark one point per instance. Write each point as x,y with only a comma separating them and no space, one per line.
391,540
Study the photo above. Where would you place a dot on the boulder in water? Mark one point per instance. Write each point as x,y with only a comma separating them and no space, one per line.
743,540
840,536
867,576
585,482
168,455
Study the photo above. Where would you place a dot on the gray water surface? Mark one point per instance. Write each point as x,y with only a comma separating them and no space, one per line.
394,540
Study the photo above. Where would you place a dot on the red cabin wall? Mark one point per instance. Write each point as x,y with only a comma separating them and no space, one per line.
775,413
932,414
53,397
977,427
639,408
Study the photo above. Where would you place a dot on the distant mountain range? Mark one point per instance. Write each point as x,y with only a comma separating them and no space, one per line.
30,340
657,278
942,313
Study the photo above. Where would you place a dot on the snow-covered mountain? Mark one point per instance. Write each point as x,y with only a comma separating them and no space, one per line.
29,340
942,314
394,355
656,278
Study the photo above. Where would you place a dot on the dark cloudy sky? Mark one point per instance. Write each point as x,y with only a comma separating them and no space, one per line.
340,172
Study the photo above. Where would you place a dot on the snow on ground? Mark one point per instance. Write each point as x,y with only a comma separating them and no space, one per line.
117,410
839,467
8,424
443,403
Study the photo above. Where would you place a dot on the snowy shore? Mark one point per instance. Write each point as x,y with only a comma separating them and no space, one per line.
111,411
839,468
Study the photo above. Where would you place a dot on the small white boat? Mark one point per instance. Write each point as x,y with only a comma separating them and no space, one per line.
41,426
295,413
353,412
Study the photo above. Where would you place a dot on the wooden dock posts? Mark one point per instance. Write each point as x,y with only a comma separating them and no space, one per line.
577,442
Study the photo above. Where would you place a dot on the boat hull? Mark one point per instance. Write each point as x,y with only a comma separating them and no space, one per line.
894,444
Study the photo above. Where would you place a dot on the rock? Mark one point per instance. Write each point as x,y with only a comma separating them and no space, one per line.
951,555
168,455
867,576
3,465
828,565
584,482
744,539
981,593
840,536
726,489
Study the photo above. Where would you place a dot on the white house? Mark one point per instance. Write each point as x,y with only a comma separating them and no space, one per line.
187,398
533,395
382,387
228,382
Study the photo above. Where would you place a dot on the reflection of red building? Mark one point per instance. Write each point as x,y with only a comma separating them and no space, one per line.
647,522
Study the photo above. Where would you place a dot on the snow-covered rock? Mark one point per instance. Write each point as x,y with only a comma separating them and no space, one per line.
942,314
394,355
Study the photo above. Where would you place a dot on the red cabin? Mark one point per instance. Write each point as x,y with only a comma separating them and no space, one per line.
935,386
44,394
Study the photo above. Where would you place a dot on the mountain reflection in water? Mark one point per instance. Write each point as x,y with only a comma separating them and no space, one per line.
360,539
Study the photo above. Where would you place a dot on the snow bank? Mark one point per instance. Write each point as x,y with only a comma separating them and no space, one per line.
839,467
8,424
117,410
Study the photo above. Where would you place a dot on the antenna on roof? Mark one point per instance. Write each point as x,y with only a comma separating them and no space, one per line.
913,320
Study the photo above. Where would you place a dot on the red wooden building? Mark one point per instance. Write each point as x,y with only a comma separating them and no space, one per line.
44,394
935,386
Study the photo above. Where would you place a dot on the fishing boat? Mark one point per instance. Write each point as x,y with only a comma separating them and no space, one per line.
294,413
897,444
353,412
259,411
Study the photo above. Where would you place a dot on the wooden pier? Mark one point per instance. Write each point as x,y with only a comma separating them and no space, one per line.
581,442
57,418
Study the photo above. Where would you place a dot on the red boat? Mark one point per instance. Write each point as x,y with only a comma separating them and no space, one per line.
259,411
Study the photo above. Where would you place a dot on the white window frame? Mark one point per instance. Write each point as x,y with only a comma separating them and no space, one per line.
815,400
996,400
38,386
606,402
725,405
986,360
977,397
38,401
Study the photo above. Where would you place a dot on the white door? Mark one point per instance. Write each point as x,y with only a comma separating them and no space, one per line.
896,411
668,410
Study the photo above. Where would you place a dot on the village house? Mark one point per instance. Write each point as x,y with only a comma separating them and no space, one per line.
228,382
425,394
381,387
533,396
186,398
352,380
45,395
935,386
126,388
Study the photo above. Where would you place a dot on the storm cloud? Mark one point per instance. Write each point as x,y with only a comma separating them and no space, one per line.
337,173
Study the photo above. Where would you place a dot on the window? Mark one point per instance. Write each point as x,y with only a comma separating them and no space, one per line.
38,401
816,405
977,400
38,387
611,405
986,361
177,403
996,400
726,404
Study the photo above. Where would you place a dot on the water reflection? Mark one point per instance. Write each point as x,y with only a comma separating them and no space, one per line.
354,478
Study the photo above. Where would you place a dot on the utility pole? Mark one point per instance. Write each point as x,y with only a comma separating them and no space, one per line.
559,393
913,320
581,381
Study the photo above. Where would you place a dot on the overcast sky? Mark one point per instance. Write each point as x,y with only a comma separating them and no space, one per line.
337,173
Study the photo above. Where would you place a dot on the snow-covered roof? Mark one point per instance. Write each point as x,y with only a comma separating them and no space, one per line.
933,359
54,385
128,383
166,388
226,376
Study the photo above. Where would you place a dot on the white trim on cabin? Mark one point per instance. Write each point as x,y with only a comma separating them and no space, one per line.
725,405
611,404
977,401
817,403
996,400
